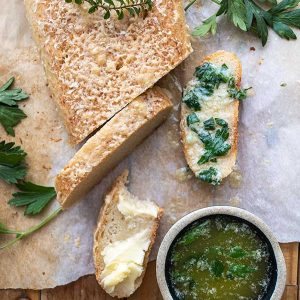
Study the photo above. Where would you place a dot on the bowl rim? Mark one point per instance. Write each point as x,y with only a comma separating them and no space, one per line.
216,210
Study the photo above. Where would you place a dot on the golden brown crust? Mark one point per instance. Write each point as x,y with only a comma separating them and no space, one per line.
110,201
96,67
110,144
231,60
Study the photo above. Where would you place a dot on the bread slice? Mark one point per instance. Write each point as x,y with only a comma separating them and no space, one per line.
223,107
114,141
95,67
121,227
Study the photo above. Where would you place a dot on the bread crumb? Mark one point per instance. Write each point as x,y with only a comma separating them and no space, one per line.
67,237
183,174
235,179
77,242
261,61
235,201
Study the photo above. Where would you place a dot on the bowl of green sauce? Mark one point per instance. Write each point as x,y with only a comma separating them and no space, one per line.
220,253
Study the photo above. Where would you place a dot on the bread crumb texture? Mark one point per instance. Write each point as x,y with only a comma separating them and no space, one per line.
95,67
140,112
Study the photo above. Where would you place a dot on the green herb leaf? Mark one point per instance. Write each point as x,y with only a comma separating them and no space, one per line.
10,97
191,99
237,252
240,271
10,114
208,26
191,119
249,15
33,197
12,162
194,233
214,145
284,31
210,175
10,154
217,268
209,124
236,12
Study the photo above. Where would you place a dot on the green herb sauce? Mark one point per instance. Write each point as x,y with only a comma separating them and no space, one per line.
219,258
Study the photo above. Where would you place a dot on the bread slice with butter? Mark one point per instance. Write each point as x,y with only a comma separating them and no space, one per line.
123,240
95,67
209,117
113,142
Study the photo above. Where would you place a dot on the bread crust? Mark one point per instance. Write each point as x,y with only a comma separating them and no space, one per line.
231,60
114,141
111,200
93,80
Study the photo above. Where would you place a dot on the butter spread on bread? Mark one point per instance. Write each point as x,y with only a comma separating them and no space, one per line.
95,67
125,234
113,142
209,117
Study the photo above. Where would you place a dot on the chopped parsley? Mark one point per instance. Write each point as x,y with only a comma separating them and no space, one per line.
214,145
210,175
191,119
209,78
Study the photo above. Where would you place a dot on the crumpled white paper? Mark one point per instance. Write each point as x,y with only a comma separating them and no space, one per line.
265,181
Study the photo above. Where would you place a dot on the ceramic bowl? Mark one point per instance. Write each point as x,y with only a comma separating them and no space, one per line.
277,284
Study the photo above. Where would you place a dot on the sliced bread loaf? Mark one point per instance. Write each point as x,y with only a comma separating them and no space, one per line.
95,67
114,141
123,240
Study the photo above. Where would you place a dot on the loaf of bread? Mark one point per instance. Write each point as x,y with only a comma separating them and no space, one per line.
96,67
115,140
220,110
123,240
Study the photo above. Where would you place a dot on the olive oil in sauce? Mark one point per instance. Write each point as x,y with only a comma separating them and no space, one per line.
219,258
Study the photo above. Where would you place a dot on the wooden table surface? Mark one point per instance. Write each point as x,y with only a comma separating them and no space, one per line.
86,288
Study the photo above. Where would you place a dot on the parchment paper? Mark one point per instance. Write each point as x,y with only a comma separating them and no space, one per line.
265,181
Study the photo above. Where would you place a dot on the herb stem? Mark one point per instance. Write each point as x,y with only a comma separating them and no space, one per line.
22,234
189,5
141,3
217,2
43,223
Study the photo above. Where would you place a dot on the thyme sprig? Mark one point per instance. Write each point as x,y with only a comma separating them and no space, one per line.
133,7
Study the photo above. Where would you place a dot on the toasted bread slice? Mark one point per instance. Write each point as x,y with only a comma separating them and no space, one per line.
221,106
95,67
123,240
114,141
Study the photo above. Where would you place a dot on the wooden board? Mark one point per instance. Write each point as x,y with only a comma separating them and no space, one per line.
86,288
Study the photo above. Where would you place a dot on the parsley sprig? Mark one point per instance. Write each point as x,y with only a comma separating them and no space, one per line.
249,15
12,162
33,197
210,175
10,114
133,7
